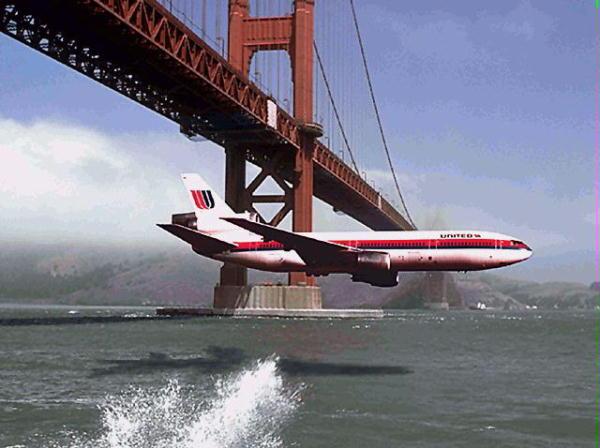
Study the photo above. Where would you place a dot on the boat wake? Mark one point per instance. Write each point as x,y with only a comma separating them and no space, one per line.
248,409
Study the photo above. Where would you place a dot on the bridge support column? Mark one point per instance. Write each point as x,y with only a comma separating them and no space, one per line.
303,195
235,187
302,72
239,54
294,34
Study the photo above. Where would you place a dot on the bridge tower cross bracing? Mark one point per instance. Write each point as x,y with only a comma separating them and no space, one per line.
293,34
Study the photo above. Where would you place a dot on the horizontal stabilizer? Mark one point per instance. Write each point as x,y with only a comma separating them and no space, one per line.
311,250
199,241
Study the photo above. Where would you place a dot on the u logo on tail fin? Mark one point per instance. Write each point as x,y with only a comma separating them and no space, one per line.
203,199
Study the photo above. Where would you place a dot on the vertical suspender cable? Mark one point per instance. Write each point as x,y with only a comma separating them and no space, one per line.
335,111
203,18
385,146
281,11
192,13
267,54
219,38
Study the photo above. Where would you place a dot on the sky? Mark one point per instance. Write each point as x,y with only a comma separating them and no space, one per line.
488,108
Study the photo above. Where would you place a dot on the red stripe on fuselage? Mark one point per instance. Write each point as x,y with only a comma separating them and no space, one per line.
465,243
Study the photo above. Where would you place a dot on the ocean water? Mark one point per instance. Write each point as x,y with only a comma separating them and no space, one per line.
117,377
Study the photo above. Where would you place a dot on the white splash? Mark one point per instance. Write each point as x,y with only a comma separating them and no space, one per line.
249,409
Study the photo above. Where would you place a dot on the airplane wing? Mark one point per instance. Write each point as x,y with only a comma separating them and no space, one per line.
311,250
199,241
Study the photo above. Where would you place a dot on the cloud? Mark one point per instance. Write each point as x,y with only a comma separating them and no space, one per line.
427,43
76,183
533,212
440,44
440,38
73,183
382,177
559,228
523,22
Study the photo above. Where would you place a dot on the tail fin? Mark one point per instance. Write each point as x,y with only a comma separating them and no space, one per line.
210,208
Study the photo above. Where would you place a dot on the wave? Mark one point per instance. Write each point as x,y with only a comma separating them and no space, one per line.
247,409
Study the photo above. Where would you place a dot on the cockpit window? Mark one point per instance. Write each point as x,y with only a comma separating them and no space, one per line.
519,244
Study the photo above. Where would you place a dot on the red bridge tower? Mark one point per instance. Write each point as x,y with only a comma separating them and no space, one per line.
294,34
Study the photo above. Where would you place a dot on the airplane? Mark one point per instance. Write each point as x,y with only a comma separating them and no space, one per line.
215,231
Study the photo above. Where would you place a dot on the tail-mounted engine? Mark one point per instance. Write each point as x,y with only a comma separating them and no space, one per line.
185,219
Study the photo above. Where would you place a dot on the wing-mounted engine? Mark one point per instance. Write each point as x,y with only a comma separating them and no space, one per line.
373,261
378,278
374,268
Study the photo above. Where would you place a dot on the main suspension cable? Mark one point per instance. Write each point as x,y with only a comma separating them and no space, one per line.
385,146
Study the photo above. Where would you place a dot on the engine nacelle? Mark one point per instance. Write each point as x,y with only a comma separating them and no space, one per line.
373,261
185,219
385,279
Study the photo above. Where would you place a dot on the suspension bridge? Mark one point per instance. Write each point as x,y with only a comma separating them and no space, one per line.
275,83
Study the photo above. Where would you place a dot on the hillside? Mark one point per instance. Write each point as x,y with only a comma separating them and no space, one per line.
134,275
105,275
548,295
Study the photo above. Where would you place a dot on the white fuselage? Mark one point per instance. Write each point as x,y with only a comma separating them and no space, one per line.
409,251
373,257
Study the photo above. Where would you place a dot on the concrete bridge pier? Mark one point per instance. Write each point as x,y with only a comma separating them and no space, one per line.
261,297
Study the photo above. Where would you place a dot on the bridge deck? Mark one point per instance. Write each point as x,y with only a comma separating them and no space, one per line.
139,49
